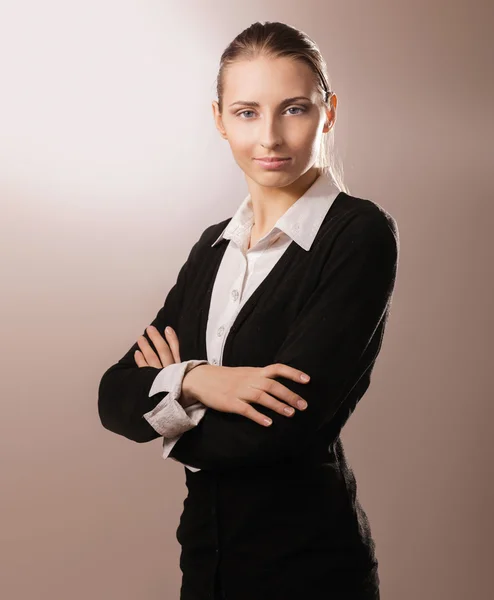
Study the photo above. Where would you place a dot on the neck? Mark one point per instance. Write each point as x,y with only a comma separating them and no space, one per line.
270,203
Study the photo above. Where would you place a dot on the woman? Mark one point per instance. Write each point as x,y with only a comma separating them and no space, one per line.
299,281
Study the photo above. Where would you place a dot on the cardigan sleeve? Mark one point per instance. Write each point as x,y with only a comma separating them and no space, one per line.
344,316
123,392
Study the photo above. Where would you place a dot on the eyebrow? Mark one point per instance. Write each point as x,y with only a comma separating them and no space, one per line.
256,104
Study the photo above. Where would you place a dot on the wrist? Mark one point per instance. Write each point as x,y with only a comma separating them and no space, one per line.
190,387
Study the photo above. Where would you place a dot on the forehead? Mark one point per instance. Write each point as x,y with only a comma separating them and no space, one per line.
268,78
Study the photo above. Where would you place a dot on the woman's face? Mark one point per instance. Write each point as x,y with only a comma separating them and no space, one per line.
273,127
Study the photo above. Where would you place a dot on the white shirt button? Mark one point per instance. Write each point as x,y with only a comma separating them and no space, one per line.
235,294
214,361
220,331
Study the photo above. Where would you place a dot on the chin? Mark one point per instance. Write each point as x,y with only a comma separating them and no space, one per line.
271,178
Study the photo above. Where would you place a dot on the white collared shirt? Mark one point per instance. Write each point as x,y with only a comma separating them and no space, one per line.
240,273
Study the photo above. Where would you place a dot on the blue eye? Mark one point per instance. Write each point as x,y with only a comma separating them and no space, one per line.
297,108
300,108
243,112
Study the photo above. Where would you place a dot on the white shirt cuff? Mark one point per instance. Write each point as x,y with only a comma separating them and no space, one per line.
168,417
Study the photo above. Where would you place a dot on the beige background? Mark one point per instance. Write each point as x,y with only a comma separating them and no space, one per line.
110,168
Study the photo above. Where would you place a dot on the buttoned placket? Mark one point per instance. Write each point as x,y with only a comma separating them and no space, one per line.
236,295
230,315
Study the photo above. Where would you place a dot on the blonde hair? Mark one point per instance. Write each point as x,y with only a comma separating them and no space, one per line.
275,40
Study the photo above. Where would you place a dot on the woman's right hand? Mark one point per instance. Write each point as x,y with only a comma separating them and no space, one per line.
233,389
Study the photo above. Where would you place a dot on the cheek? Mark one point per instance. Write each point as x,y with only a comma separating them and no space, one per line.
304,145
304,136
242,144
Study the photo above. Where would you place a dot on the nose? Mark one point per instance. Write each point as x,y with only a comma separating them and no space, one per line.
270,135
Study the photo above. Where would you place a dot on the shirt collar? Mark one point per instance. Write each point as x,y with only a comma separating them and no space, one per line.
301,221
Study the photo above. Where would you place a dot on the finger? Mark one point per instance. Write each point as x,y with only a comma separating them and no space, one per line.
256,395
267,397
281,392
149,354
273,395
246,410
279,369
161,346
172,339
140,360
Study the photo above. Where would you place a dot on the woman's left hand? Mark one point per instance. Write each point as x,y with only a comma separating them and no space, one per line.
168,352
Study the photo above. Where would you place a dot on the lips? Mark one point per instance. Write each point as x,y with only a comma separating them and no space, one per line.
272,164
273,158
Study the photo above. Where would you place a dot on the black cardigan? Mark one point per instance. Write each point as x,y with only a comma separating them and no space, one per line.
274,509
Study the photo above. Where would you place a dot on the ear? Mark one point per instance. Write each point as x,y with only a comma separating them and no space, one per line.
330,113
218,121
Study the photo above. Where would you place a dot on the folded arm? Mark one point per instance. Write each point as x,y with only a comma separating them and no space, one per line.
328,340
123,393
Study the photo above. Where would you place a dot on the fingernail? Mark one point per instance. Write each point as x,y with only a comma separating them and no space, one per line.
304,377
168,330
301,404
